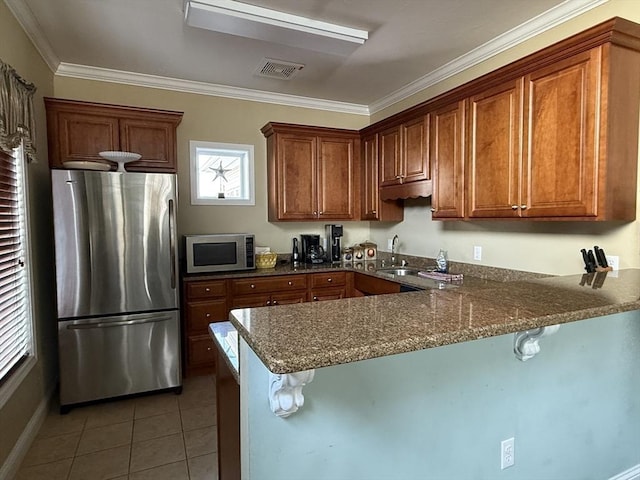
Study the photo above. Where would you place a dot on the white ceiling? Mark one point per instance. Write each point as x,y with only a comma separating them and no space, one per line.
410,42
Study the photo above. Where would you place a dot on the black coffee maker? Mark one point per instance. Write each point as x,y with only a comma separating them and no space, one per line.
312,251
333,232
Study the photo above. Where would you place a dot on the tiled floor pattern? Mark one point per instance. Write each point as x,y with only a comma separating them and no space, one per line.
161,436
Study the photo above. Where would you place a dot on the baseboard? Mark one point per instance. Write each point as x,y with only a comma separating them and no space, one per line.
11,465
631,474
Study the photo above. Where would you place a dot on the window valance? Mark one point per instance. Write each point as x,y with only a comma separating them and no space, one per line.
17,119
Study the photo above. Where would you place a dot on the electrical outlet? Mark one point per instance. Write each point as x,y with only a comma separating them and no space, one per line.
613,261
389,244
507,453
477,253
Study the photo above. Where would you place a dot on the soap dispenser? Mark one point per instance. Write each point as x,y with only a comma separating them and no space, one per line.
442,262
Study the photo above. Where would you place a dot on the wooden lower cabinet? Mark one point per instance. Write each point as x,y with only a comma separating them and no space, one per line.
228,419
328,286
204,302
364,285
268,291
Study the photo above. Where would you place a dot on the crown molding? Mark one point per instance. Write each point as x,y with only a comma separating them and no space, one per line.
202,88
537,25
32,29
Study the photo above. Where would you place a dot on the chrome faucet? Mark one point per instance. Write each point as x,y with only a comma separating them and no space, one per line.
393,250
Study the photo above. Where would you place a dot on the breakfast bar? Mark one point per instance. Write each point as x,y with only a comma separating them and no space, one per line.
353,382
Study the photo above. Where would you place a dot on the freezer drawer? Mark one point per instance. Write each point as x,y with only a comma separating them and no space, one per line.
118,355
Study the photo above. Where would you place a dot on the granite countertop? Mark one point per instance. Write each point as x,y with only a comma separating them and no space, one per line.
290,338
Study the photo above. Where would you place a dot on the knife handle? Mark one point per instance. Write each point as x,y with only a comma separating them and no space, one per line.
600,255
585,257
592,260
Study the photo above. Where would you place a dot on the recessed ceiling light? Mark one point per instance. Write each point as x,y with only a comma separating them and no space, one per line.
242,19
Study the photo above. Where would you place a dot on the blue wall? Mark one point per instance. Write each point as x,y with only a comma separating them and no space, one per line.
441,413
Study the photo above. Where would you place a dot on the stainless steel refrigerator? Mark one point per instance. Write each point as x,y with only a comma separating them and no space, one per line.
116,274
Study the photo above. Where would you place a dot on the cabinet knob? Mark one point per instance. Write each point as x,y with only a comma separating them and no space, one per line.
374,212
275,302
268,302
208,349
207,289
253,286
329,280
523,207
433,210
315,299
315,213
514,207
320,213
398,177
290,282
208,315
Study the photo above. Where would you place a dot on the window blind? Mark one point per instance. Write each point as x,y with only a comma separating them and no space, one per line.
15,328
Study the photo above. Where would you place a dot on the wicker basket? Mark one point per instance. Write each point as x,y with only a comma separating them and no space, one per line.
266,260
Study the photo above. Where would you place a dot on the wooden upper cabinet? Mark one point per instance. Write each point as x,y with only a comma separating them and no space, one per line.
560,156
494,151
373,208
78,131
313,173
389,155
404,152
447,154
415,150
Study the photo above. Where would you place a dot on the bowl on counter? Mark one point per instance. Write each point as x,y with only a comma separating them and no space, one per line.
266,260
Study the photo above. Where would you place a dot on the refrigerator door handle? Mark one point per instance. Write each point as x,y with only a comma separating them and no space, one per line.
123,323
172,246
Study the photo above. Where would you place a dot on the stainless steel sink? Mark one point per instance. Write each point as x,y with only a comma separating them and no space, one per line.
398,271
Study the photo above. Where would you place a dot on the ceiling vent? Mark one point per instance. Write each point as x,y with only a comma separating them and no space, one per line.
278,69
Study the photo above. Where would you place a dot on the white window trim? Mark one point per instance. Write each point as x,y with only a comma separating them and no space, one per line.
195,200
13,383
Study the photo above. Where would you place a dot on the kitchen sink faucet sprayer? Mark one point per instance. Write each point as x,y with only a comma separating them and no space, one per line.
393,250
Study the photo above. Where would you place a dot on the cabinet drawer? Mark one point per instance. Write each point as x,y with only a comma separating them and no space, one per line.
208,289
201,314
328,279
247,286
201,351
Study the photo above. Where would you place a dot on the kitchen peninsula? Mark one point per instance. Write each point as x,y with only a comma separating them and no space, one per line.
399,377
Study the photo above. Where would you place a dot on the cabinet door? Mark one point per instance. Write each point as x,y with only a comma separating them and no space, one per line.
370,178
289,298
373,208
78,136
389,156
494,151
251,301
201,352
333,293
447,155
415,150
296,170
154,140
336,178
201,314
560,157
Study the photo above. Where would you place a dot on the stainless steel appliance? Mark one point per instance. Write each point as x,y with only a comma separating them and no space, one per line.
220,252
116,275
312,251
334,233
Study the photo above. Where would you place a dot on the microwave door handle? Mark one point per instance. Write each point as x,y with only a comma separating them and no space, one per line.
172,246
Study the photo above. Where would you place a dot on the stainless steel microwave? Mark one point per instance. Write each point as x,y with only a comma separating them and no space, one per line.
220,252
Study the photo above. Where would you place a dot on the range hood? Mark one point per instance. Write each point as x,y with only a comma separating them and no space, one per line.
423,188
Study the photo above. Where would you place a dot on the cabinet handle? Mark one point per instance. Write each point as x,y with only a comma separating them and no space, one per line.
315,299
523,207
329,280
253,286
514,207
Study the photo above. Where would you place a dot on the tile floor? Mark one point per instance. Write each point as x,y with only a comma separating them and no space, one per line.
159,436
